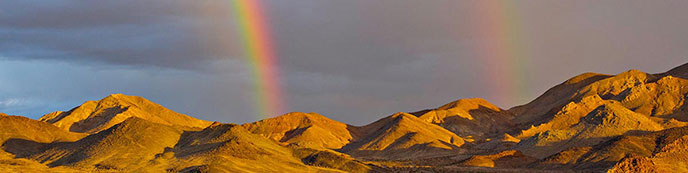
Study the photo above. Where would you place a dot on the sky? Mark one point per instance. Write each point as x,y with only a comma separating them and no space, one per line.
354,61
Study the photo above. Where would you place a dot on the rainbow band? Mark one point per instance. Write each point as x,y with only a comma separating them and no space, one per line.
505,50
255,36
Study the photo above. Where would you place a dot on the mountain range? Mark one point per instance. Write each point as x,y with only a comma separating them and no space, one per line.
628,122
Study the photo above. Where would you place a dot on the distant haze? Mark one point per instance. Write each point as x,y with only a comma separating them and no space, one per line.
354,61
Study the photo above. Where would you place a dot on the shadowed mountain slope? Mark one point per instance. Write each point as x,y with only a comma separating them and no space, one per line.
94,116
304,129
125,146
680,71
229,148
554,98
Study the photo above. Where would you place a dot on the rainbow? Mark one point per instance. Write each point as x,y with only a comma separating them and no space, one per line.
260,53
504,50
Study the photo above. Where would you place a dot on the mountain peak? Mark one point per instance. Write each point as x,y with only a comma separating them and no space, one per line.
126,100
468,104
633,73
118,95
304,129
302,116
461,108
299,119
94,116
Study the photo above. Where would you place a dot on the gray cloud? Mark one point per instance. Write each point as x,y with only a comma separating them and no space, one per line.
152,32
352,60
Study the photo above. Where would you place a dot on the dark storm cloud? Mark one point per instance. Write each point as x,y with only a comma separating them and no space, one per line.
128,32
32,14
352,60
174,33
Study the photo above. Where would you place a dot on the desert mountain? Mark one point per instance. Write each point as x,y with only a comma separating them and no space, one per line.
94,116
470,118
402,135
629,122
634,100
304,129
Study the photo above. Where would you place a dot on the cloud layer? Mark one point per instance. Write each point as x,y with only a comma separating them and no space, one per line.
355,61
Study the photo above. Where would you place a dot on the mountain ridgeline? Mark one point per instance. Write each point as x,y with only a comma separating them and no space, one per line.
629,122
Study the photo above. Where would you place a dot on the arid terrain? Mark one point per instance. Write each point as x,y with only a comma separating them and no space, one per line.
628,122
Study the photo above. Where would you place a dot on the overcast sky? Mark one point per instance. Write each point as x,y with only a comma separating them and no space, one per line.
352,60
